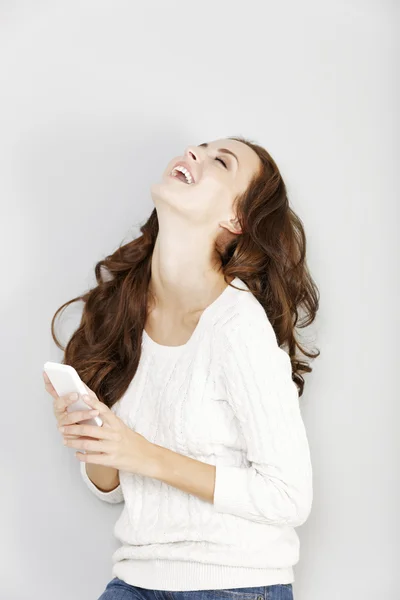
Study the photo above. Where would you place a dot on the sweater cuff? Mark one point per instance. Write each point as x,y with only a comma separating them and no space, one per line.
231,491
113,496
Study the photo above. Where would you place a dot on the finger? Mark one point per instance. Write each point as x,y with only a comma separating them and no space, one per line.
94,458
92,431
69,418
92,445
90,393
106,414
68,435
45,377
61,402
72,437
49,386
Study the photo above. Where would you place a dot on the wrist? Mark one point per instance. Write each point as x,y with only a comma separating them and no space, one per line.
153,464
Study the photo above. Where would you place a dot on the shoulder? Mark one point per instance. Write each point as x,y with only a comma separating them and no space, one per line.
249,357
246,321
248,346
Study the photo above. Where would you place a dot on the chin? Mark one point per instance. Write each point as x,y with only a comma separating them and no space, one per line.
159,190
166,193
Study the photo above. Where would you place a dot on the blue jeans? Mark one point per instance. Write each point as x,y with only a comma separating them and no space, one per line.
117,589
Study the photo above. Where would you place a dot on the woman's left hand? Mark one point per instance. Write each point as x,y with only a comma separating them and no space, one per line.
114,444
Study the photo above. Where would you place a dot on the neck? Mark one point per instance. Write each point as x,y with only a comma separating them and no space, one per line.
183,277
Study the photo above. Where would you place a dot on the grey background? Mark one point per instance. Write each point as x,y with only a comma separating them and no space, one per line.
96,98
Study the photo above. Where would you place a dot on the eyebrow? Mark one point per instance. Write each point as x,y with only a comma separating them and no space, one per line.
225,150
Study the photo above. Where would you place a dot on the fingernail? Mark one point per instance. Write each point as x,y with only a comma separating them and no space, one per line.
87,399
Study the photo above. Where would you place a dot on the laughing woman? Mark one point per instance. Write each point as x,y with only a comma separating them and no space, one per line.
187,346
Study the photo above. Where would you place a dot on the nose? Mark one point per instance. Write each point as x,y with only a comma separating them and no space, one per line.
191,153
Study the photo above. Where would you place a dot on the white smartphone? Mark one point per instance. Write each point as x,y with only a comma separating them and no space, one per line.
66,380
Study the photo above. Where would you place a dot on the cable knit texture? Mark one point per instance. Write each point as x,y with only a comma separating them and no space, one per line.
226,398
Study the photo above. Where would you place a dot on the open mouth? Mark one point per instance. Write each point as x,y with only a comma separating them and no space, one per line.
180,176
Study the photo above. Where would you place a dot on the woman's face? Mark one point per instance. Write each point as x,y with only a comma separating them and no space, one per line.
220,169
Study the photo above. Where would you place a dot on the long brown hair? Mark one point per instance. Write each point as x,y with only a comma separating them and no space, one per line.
269,256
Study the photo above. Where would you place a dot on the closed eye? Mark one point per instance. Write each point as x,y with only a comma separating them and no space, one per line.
220,159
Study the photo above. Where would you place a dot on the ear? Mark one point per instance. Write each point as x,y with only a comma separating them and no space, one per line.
232,225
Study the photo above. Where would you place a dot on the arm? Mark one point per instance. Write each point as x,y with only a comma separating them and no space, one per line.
183,472
277,486
103,482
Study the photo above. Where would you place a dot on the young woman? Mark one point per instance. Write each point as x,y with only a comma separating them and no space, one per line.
180,347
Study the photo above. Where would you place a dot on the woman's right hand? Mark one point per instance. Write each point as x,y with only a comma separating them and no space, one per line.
63,417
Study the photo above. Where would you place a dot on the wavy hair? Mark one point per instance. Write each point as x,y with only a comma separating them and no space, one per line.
269,255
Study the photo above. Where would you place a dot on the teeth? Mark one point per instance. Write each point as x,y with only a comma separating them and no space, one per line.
184,171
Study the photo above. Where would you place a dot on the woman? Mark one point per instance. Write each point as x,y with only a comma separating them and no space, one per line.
180,350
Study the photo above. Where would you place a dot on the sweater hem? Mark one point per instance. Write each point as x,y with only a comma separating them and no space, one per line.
175,575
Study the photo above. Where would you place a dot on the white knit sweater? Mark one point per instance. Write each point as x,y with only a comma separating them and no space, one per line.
226,398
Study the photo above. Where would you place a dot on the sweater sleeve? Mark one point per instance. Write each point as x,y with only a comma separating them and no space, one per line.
277,486
113,496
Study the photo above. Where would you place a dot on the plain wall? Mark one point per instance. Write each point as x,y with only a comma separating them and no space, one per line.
96,98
